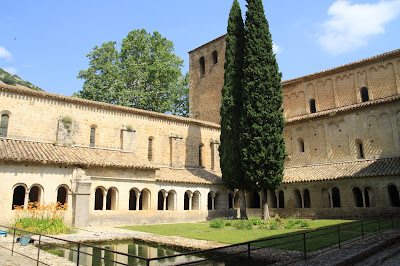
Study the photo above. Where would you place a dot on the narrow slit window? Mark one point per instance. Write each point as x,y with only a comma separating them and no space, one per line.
92,136
202,66
360,149
201,155
150,150
364,95
313,108
215,57
4,126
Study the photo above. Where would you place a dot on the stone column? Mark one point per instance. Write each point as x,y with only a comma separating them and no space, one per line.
363,196
165,201
26,199
190,201
81,187
277,200
104,200
330,198
137,200
302,199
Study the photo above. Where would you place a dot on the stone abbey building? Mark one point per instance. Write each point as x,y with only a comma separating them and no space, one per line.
119,165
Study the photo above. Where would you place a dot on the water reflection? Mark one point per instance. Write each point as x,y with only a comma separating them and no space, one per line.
108,258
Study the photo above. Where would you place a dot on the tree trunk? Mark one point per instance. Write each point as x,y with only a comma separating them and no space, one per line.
243,207
264,205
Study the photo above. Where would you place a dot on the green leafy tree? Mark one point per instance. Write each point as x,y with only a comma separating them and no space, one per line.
145,74
262,122
229,150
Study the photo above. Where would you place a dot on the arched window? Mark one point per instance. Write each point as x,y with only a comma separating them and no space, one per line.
160,201
171,199
253,199
4,126
150,149
335,197
92,136
201,155
364,94
360,149
300,145
202,66
298,198
313,108
35,194
306,198
357,197
196,201
132,200
215,57
144,200
368,195
186,201
281,199
111,203
62,195
230,201
393,194
98,199
18,196
209,201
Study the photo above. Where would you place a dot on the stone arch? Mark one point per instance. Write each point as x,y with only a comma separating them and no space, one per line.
161,198
306,198
230,200
281,199
171,200
36,194
335,197
196,200
99,198
298,198
62,194
210,199
186,200
133,199
393,195
145,200
19,192
4,125
357,197
112,199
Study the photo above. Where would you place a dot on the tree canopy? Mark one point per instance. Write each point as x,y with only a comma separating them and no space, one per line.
144,73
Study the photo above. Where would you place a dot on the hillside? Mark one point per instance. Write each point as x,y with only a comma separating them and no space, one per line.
14,80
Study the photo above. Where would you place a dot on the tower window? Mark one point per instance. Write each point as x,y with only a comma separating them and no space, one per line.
150,150
201,155
300,145
364,94
360,149
313,108
202,66
215,57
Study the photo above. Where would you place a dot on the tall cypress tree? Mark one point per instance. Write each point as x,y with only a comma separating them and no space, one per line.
229,150
262,122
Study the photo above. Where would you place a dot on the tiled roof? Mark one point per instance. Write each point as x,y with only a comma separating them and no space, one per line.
185,175
355,169
47,153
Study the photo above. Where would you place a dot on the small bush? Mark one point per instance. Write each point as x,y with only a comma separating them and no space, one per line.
256,221
243,225
277,218
67,122
217,223
129,128
9,81
228,223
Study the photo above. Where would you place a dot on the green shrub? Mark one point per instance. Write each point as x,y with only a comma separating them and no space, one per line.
228,223
9,81
217,223
243,225
256,221
67,122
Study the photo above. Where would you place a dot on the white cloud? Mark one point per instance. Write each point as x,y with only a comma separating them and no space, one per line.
10,70
350,25
276,48
4,53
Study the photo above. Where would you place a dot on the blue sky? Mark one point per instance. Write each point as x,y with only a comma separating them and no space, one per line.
46,42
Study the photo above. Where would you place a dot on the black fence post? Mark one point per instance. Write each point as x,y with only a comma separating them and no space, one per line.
248,250
305,247
338,230
38,253
12,249
362,229
79,251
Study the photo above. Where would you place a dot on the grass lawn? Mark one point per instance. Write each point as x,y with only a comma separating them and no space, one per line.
314,239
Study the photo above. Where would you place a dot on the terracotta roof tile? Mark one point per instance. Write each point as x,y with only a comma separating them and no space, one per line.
355,169
30,151
185,175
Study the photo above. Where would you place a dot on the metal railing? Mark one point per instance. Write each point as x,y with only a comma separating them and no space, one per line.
340,235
